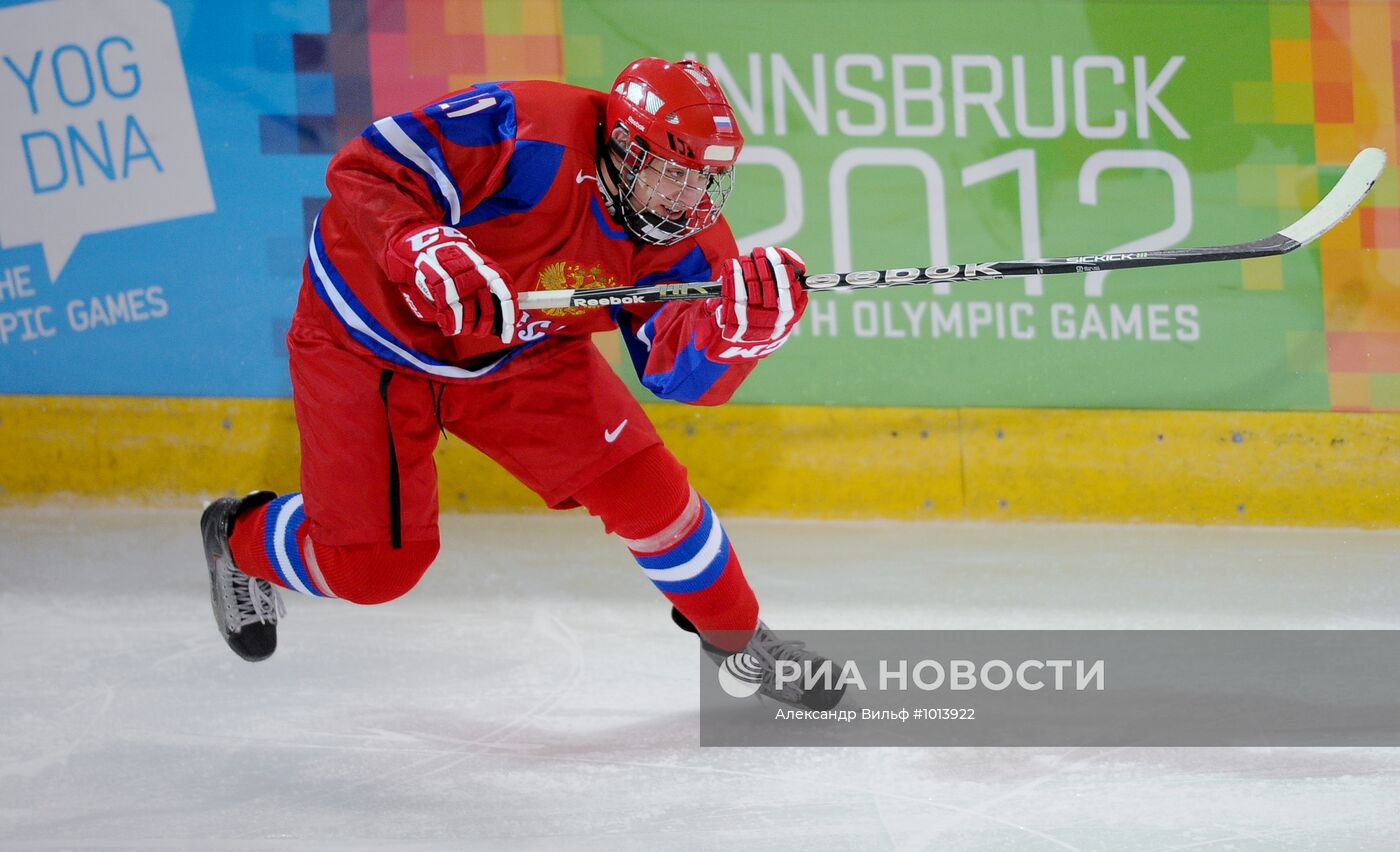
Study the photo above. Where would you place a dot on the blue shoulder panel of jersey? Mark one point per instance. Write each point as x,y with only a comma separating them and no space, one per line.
483,116
529,175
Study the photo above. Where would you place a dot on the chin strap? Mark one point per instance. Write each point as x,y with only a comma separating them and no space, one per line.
610,179
640,226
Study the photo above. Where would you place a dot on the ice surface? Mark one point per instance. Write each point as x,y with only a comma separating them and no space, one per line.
531,693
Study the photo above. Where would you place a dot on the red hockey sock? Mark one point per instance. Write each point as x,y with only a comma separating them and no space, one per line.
249,544
679,543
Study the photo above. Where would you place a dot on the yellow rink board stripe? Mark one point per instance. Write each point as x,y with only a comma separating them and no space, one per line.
1311,468
1308,468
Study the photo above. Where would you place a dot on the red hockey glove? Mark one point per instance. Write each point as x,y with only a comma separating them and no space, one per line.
448,281
761,301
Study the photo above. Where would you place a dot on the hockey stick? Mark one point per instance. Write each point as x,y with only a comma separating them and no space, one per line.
1358,179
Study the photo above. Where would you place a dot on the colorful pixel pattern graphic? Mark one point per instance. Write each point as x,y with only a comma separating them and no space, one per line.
1336,67
382,57
1355,59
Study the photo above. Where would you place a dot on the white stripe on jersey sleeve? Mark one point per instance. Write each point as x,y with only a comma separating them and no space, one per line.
394,135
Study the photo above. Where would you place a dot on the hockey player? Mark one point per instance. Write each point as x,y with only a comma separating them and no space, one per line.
407,324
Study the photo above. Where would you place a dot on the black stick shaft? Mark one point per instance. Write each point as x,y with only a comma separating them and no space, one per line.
878,278
1348,192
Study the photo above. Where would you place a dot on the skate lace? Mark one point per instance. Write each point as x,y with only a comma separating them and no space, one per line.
255,601
770,646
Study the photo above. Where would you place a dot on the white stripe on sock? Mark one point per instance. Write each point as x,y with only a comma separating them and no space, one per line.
279,546
694,566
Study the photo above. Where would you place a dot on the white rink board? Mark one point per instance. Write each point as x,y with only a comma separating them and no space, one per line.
531,693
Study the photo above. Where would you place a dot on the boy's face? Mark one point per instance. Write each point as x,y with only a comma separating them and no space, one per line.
668,190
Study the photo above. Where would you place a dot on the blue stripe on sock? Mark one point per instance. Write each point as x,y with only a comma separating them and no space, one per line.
294,552
700,581
274,510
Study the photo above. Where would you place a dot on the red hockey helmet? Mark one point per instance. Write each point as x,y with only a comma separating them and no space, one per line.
675,140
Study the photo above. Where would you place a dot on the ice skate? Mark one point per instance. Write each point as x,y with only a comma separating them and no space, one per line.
764,650
246,609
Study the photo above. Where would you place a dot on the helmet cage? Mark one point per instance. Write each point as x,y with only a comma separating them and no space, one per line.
671,203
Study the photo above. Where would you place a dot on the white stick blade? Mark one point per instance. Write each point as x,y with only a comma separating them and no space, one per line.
1358,179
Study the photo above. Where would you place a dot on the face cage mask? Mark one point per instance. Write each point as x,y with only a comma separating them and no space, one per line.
691,199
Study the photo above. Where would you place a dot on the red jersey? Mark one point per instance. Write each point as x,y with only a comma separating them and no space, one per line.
514,167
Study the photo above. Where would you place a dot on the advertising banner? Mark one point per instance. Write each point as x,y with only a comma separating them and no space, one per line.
950,133
160,163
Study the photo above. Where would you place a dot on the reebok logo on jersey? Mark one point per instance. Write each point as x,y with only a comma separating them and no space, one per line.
610,435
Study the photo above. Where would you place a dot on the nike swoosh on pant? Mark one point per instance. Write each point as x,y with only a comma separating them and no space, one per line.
610,435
